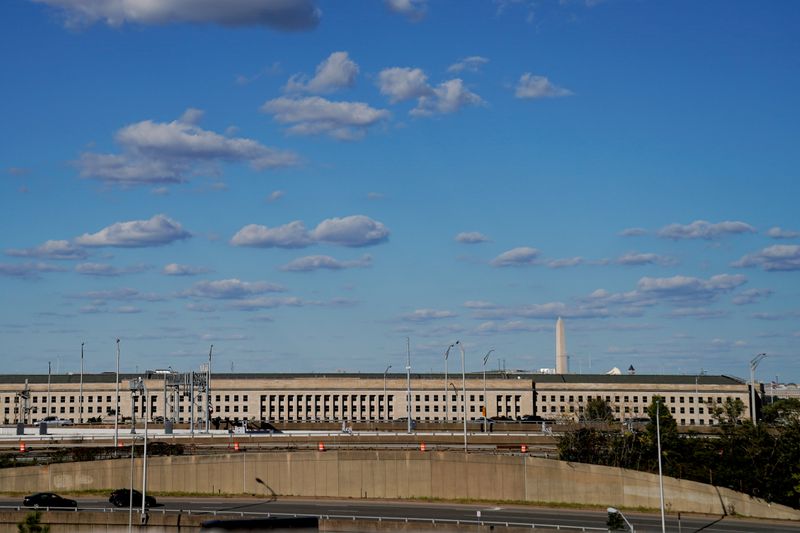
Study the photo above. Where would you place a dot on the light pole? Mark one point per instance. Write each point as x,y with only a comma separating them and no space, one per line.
208,393
48,389
446,399
612,510
146,415
485,401
80,392
660,475
753,365
408,382
116,409
385,400
463,393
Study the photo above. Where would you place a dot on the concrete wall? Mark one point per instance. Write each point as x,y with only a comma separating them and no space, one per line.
395,474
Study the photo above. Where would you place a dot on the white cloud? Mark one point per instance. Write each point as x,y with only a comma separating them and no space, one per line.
175,269
638,258
28,270
426,315
520,256
353,231
447,97
469,64
166,152
106,270
633,232
414,10
338,71
291,235
374,195
319,262
231,289
701,229
549,310
274,196
471,237
702,313
566,262
315,116
780,233
157,231
402,83
287,15
531,87
751,296
123,294
266,302
510,326
779,257
50,250
681,288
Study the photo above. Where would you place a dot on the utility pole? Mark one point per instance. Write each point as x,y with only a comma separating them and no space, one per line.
408,381
116,409
48,389
208,391
80,392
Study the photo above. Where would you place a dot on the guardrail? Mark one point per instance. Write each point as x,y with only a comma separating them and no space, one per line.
255,514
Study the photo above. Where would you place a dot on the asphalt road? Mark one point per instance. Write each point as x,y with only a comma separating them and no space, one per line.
448,511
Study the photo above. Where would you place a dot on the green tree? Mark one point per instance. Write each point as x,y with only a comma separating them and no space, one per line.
782,411
729,412
32,523
597,409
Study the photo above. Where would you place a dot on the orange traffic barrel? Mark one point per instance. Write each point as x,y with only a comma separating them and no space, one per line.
321,446
422,446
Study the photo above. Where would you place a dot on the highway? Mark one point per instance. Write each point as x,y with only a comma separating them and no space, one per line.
513,514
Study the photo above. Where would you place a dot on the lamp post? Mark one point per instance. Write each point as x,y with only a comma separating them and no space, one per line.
612,510
80,392
408,382
116,409
385,400
446,399
660,475
463,393
753,365
485,402
48,389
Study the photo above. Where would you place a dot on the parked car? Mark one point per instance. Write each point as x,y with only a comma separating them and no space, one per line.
47,499
122,498
55,421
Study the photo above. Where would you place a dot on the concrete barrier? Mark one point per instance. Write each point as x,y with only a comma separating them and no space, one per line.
396,474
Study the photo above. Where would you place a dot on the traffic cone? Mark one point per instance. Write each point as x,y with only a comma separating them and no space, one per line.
422,446
236,446
524,448
321,447
120,444
22,446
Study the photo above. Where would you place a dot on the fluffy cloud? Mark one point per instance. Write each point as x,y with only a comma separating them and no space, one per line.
338,71
316,116
291,235
701,229
520,256
326,262
50,250
471,237
780,233
175,269
426,315
166,152
274,196
121,294
287,15
106,270
530,87
231,289
412,9
157,231
510,326
469,64
448,97
638,258
566,262
27,270
400,84
549,310
633,232
702,313
353,231
751,296
779,257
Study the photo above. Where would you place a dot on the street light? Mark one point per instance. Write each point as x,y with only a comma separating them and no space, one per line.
139,386
463,393
116,409
446,399
80,398
408,383
660,475
385,403
753,364
612,510
485,402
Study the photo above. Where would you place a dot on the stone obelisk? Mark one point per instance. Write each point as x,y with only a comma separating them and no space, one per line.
562,363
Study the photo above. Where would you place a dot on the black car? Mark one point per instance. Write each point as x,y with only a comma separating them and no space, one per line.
122,498
47,499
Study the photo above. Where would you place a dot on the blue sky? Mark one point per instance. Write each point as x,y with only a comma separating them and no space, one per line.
305,183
